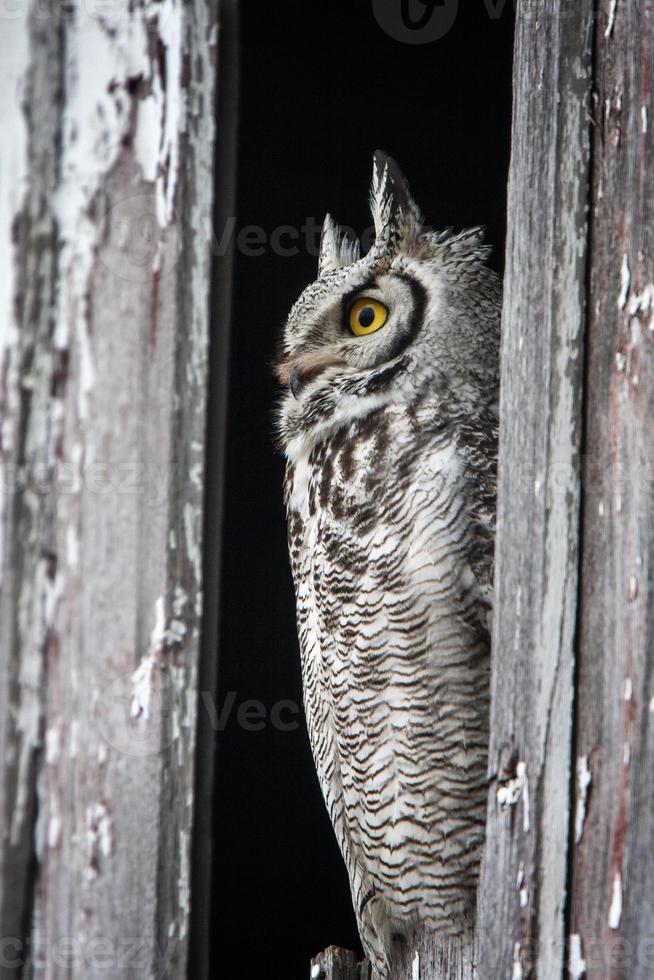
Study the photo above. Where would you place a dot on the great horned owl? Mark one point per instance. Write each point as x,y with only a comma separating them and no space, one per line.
389,426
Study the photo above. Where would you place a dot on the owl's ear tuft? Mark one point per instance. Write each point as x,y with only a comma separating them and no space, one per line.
337,247
395,214
466,246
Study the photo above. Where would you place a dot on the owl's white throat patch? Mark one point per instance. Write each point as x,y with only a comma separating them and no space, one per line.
298,449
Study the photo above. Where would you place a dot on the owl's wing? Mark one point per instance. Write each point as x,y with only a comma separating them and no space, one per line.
316,650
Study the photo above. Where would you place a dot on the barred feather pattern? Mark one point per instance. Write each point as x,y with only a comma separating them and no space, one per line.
392,562
391,446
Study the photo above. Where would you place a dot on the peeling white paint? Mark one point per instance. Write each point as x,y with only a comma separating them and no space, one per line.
628,689
52,744
158,634
611,21
107,47
192,546
74,738
99,837
179,601
600,509
584,779
625,280
54,830
521,875
72,547
516,973
643,303
142,677
183,884
524,898
105,835
626,753
176,631
510,792
576,961
522,774
415,967
174,112
620,361
79,238
142,681
615,911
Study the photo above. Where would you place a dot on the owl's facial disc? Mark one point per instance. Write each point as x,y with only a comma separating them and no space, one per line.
350,335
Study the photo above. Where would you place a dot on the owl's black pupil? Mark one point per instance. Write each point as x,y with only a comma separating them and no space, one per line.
366,316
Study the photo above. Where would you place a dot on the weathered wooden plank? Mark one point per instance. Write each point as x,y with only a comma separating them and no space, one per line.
103,367
31,69
427,960
335,964
430,960
613,858
521,925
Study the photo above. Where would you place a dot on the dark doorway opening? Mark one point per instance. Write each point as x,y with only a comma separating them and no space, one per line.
321,87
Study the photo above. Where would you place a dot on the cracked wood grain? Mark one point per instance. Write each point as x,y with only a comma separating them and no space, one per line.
103,369
612,906
521,908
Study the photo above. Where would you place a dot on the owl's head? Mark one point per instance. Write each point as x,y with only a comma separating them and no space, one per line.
416,317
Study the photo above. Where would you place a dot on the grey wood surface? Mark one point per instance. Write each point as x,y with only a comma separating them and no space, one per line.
521,920
103,371
335,964
613,857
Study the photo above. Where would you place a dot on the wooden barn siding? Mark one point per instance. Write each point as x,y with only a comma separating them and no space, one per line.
105,223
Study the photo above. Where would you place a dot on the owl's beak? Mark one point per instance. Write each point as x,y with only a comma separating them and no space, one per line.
296,373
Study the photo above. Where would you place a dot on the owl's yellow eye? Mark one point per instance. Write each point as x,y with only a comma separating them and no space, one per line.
367,316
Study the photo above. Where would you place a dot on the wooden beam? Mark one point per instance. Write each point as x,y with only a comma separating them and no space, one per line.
613,856
103,370
336,964
521,921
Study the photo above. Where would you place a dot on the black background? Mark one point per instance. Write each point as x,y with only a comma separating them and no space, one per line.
321,86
